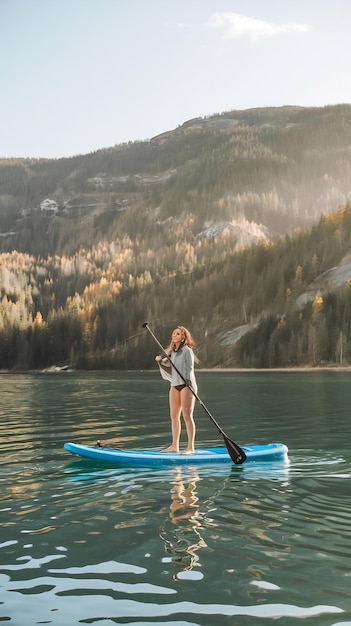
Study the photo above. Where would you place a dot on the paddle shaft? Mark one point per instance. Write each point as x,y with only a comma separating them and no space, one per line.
236,453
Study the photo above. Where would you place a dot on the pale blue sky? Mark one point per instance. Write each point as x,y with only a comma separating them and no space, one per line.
80,75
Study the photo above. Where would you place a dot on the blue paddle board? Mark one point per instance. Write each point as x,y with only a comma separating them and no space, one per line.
258,453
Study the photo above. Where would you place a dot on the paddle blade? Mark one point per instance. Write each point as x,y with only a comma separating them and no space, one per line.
237,455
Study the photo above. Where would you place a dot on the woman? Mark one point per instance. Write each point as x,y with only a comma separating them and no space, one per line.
181,399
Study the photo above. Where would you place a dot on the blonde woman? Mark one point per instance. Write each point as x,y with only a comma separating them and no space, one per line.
181,399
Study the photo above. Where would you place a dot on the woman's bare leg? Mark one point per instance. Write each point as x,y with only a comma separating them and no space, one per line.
175,409
187,409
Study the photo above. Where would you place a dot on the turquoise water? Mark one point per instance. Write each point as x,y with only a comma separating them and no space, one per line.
83,543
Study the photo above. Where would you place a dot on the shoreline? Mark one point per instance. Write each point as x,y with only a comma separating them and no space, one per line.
277,369
236,370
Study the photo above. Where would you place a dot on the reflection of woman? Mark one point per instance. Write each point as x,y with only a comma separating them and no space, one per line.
184,500
181,399
183,541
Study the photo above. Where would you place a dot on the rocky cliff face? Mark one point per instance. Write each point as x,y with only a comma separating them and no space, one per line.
329,280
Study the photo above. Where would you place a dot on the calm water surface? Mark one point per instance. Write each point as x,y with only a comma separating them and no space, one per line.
83,543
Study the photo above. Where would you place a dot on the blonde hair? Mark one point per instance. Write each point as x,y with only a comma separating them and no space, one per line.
187,339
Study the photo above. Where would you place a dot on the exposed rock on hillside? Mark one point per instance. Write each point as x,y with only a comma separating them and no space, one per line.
229,338
328,281
246,233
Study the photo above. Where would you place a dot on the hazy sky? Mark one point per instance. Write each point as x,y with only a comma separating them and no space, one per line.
80,75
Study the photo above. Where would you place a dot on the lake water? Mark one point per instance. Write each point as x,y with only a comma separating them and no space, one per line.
83,543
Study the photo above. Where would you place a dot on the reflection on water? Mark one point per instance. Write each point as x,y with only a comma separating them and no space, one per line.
85,543
181,530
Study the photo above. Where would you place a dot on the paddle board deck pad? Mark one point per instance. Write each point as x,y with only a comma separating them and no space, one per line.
257,453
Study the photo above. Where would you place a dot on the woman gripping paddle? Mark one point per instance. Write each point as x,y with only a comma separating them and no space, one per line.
178,369
236,453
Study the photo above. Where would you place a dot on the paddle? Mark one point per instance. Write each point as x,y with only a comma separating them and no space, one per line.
237,455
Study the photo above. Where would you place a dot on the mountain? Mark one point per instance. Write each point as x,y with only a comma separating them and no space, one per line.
212,224
279,167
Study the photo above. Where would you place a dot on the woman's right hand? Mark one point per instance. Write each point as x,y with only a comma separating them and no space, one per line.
158,358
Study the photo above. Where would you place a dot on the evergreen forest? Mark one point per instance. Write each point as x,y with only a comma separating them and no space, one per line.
231,225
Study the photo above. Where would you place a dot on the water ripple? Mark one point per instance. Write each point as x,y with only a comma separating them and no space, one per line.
89,543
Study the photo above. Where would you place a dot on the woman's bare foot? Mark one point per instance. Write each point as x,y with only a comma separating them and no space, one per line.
189,451
171,449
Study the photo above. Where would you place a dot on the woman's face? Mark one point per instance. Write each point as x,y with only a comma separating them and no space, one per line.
177,336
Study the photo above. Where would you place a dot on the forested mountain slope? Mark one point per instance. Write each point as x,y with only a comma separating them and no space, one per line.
220,224
279,167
